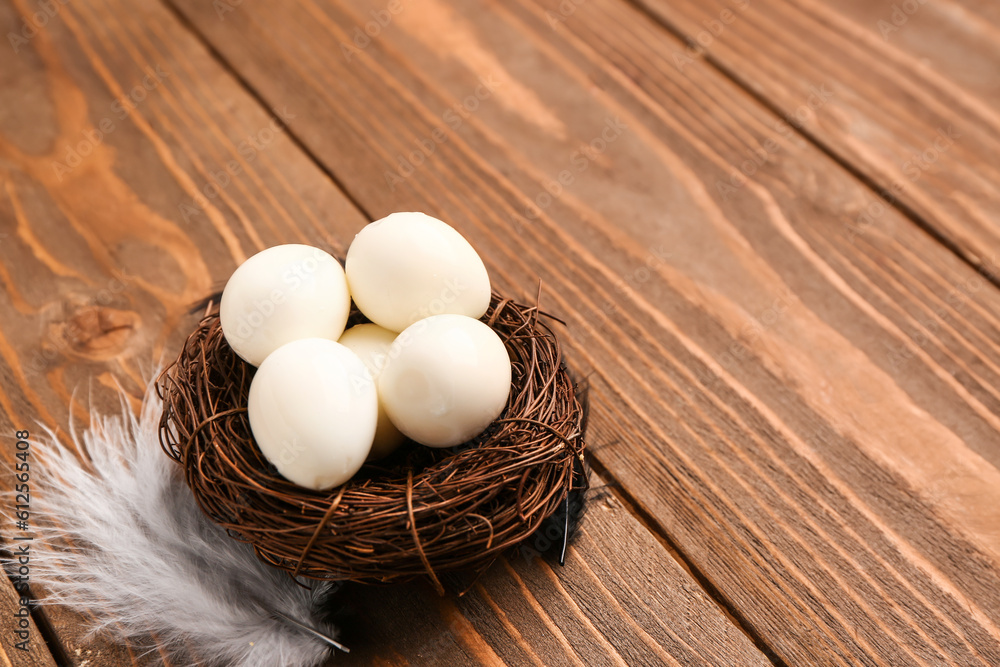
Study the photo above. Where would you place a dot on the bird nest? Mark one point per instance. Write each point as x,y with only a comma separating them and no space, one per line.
420,511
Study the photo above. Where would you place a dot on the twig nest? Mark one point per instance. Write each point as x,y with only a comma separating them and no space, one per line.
421,510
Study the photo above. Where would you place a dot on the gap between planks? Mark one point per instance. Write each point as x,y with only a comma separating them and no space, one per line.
858,173
231,71
632,505
48,634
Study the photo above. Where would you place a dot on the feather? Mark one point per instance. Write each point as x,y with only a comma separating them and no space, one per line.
122,537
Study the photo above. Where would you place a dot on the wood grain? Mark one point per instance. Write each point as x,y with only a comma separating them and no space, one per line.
109,230
806,407
20,650
620,600
99,268
915,94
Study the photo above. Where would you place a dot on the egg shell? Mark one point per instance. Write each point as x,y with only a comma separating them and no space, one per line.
313,408
371,343
447,378
281,294
408,266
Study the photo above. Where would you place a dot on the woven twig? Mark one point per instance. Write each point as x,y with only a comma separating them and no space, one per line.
423,510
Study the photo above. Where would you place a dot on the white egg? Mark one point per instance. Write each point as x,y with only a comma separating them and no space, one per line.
408,266
313,407
447,379
282,294
371,343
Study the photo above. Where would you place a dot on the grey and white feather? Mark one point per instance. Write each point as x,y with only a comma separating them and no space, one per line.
122,538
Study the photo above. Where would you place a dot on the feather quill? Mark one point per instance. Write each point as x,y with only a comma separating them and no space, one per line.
121,537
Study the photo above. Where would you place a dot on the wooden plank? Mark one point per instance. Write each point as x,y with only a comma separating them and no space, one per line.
620,600
100,265
807,409
17,650
914,93
110,227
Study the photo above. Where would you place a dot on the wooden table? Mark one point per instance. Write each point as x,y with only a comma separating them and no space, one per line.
771,227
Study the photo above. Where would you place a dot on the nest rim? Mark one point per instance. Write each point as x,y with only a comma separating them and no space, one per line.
421,510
